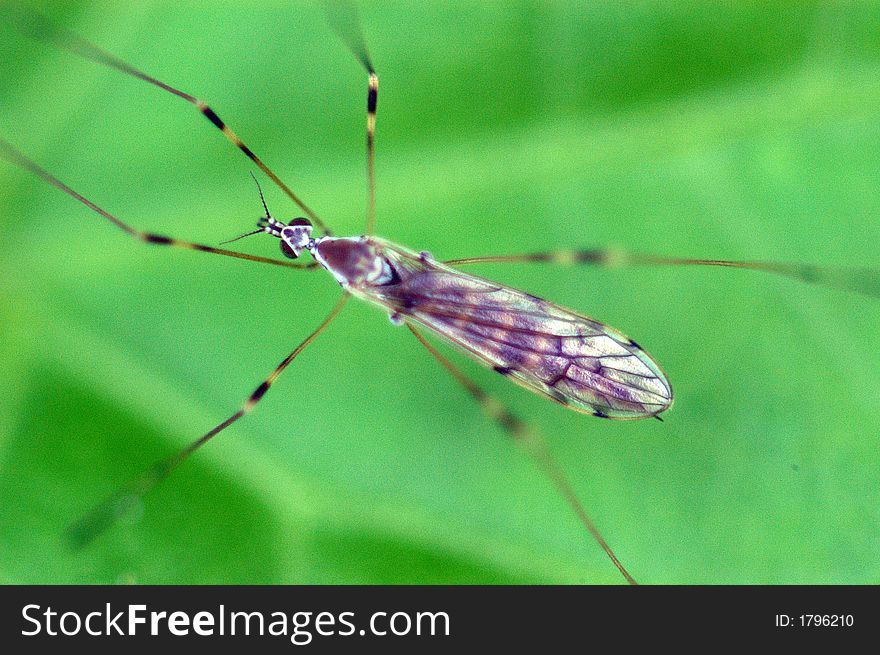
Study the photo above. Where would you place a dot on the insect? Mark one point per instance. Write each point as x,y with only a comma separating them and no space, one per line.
555,352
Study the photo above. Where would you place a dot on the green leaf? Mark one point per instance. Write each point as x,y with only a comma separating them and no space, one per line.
740,131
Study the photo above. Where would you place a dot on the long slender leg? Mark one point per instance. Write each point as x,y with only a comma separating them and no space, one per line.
860,280
343,18
108,512
372,98
530,441
37,26
13,156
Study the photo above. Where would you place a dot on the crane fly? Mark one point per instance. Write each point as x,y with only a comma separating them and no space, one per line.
569,358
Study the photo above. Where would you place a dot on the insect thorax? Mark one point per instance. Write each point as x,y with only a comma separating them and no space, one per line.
355,262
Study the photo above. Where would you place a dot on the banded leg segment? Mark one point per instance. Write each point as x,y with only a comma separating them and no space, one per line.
372,99
861,280
343,18
107,513
530,441
38,27
15,157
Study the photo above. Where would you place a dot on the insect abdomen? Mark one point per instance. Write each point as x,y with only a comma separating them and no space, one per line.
548,349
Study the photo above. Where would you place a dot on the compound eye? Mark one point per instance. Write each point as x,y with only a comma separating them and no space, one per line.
288,251
300,221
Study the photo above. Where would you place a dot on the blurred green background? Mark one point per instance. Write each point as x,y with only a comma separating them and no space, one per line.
730,130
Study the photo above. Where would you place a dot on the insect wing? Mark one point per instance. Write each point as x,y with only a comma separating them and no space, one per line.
572,359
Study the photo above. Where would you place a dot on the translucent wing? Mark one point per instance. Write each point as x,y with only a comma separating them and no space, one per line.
572,359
